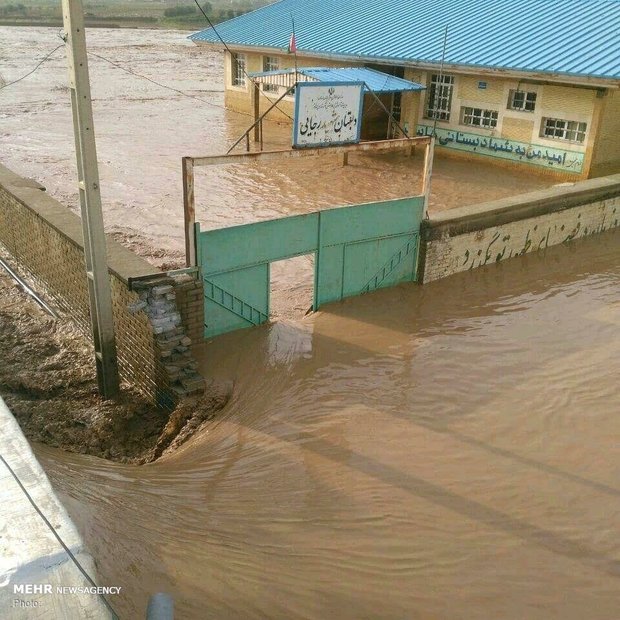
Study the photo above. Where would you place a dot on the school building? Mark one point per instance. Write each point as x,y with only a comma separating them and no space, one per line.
533,83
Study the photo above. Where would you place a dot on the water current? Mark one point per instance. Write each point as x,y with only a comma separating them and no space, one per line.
439,452
143,130
445,452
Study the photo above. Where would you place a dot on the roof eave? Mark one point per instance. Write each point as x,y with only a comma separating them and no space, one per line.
584,80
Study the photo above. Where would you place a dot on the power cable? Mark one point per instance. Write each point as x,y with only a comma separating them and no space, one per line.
58,538
232,56
28,290
176,90
33,70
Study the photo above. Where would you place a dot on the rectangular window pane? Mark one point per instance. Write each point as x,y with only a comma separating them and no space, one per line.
521,100
270,63
571,131
477,117
238,69
439,99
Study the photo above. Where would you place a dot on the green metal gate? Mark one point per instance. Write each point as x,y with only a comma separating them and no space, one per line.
357,249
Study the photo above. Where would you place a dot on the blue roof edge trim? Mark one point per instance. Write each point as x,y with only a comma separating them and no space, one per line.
568,38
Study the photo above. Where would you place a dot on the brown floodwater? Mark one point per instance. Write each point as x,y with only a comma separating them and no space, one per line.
439,452
143,131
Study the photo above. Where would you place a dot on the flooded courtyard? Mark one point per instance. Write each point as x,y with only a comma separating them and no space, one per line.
143,131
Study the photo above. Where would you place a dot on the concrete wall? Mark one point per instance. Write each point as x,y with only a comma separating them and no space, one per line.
45,239
29,552
466,238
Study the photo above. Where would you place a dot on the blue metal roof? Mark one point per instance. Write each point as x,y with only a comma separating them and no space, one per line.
376,81
571,37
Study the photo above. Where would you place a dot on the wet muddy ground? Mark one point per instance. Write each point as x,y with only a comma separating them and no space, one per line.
47,378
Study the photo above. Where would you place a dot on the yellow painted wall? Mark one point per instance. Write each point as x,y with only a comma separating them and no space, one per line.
555,101
411,102
514,128
492,94
579,101
606,155
239,99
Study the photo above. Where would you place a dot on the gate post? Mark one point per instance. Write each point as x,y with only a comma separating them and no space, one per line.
429,153
189,211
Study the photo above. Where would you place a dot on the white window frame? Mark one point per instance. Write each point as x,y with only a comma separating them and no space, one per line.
527,105
438,103
271,63
562,129
479,117
238,64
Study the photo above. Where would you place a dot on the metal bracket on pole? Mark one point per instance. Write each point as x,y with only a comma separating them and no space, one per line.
97,275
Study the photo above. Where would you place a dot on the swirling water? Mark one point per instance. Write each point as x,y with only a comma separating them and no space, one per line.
446,451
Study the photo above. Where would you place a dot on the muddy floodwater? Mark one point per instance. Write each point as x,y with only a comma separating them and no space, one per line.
143,130
447,452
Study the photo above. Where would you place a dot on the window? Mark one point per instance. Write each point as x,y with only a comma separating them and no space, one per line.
520,100
559,129
271,63
439,97
477,117
238,69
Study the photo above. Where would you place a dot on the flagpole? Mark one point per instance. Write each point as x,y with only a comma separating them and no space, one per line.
294,41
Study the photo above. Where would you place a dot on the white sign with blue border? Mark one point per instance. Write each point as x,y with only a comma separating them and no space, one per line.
327,113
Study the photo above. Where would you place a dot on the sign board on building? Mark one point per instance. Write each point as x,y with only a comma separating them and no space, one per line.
327,113
534,154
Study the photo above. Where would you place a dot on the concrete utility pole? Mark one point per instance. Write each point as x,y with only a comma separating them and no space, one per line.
97,275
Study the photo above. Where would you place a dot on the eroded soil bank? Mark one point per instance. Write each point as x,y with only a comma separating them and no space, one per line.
47,378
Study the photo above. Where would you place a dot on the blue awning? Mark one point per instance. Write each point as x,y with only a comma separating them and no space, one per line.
376,81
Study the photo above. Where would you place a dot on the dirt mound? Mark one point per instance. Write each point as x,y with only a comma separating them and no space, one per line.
47,378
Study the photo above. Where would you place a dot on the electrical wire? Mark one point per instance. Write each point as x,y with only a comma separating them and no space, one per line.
217,34
176,90
33,70
28,290
440,87
57,536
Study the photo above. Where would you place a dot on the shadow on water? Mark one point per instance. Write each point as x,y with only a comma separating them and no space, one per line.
322,483
448,307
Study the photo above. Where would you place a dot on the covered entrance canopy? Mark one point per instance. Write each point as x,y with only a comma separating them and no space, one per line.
382,102
375,81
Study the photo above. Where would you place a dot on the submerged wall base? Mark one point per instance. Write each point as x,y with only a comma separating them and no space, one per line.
470,237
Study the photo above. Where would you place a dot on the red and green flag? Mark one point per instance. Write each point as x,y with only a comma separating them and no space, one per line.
292,44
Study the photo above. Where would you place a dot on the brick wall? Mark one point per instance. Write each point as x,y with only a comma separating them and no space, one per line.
44,238
462,239
190,304
567,102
